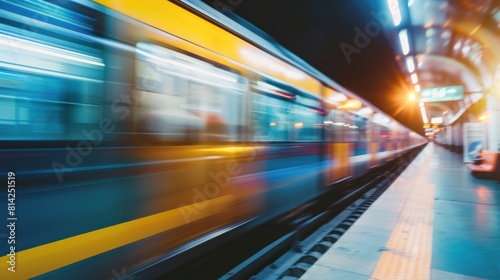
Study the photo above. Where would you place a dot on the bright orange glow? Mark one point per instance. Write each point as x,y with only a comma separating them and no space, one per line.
412,97
299,125
400,103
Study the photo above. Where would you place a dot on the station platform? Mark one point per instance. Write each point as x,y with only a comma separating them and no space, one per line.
436,221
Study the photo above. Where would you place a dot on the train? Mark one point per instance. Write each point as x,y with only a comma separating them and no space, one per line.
131,129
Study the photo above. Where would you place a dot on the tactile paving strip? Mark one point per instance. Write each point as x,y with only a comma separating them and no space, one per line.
408,253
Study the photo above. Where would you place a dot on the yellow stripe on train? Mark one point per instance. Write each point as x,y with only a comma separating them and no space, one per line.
45,258
196,31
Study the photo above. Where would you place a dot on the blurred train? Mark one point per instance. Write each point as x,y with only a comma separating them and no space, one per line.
132,128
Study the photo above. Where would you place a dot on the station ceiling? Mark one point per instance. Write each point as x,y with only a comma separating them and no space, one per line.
452,42
367,46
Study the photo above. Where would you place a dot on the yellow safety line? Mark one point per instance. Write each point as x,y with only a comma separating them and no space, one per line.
45,258
409,248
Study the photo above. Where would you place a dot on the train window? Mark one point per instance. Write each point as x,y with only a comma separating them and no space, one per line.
8,112
337,124
306,124
356,131
342,126
50,78
185,99
271,118
220,111
375,131
279,119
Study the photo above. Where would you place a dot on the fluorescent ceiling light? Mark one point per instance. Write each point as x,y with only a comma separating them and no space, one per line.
410,64
395,12
403,39
414,78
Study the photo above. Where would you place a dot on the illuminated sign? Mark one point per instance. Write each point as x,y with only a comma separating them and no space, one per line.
426,125
442,94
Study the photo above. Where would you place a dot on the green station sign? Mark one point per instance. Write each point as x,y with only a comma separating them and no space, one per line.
438,94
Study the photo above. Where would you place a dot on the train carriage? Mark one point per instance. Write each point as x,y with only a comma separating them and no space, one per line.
136,129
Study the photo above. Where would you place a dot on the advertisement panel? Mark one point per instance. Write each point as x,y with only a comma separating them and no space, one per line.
474,140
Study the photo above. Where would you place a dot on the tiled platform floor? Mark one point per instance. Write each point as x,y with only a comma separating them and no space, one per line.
436,221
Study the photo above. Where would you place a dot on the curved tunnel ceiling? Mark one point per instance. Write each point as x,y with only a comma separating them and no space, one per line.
449,43
436,70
